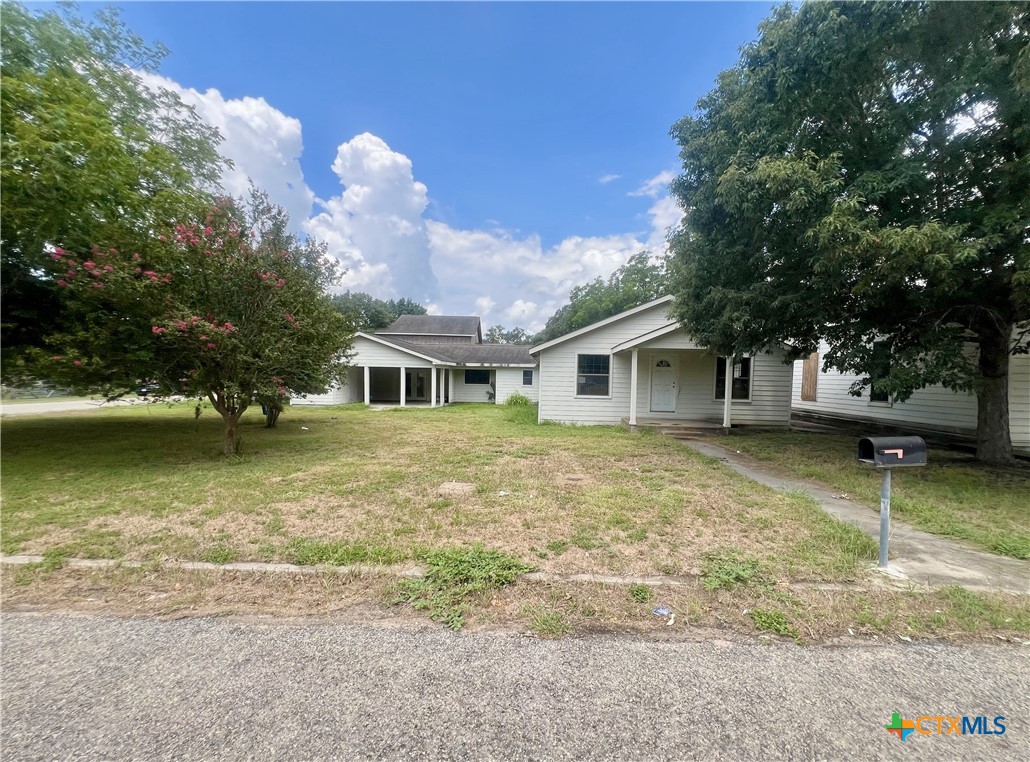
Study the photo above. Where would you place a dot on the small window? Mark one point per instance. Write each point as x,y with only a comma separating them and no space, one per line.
477,377
741,378
527,378
881,366
592,375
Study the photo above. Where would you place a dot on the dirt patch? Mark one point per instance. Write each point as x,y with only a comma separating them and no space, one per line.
456,489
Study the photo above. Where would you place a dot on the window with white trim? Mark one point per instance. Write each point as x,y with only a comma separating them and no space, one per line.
593,375
741,378
527,378
473,377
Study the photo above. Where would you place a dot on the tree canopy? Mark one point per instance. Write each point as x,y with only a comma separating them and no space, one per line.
498,334
88,154
861,176
642,279
368,313
230,307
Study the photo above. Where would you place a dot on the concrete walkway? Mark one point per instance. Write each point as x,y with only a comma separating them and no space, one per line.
37,408
926,559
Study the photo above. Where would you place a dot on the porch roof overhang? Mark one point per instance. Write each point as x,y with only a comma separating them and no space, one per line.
644,338
403,346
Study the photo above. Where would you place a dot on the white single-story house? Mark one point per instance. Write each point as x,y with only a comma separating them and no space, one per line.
431,360
640,366
822,395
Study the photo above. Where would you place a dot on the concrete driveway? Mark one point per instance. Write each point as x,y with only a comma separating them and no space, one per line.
104,688
56,406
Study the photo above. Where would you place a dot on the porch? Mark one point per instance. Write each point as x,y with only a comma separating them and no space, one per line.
428,386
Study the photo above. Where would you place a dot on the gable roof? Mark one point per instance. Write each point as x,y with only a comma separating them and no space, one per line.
437,325
607,321
460,354
646,337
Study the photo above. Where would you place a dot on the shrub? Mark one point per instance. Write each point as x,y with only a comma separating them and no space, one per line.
518,400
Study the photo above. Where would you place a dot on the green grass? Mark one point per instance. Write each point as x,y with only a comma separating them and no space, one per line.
641,593
349,485
454,576
952,495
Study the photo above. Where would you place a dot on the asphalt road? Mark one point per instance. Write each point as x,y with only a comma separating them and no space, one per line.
77,687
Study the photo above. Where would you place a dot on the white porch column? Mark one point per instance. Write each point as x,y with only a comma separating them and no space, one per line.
443,386
727,405
633,388
368,385
404,395
432,387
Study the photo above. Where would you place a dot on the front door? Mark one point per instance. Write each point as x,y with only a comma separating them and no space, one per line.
415,385
663,385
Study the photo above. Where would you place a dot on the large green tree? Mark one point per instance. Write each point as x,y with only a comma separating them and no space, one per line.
367,313
862,175
498,334
88,154
229,307
642,279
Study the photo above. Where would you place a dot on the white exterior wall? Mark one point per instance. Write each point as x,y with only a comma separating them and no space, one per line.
932,408
351,391
471,393
374,354
770,382
509,381
695,387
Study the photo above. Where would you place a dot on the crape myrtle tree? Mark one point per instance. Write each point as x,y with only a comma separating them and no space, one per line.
229,307
862,176
88,154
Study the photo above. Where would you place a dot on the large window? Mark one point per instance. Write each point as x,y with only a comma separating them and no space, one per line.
741,378
592,375
881,367
477,377
527,378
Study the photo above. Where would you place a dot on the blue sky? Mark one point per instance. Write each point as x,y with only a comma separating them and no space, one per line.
486,130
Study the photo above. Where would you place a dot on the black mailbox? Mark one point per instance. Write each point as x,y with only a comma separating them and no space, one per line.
892,452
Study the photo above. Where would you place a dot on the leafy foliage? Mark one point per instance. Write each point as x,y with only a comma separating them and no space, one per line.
497,334
231,308
88,154
726,570
860,176
367,313
642,279
453,576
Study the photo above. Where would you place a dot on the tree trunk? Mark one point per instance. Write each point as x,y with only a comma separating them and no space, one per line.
231,433
993,439
272,416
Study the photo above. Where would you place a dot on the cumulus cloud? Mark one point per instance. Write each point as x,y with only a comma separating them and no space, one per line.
263,143
484,306
375,226
656,186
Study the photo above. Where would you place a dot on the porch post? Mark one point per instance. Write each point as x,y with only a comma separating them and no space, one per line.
404,395
368,385
432,387
633,388
443,387
727,404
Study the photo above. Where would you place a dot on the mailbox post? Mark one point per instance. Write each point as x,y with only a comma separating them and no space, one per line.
888,453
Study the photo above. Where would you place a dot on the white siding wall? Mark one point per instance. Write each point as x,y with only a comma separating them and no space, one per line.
695,388
368,352
471,393
696,373
933,408
509,381
351,391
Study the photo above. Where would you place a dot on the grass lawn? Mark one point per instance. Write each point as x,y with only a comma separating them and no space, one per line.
350,485
952,495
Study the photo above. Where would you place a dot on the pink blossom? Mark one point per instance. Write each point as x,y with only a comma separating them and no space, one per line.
162,238
58,251
114,251
208,230
58,358
139,269
203,337
280,283
210,345
89,265
62,283
55,256
71,273
108,268
229,328
156,329
150,273
77,363
136,257
98,285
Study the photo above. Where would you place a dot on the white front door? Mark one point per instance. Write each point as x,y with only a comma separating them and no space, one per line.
663,385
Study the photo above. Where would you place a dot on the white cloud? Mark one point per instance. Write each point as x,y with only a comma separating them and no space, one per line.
376,224
263,143
656,186
605,179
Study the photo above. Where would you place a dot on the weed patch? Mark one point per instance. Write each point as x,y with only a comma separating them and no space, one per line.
773,621
313,552
728,569
453,577
641,593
